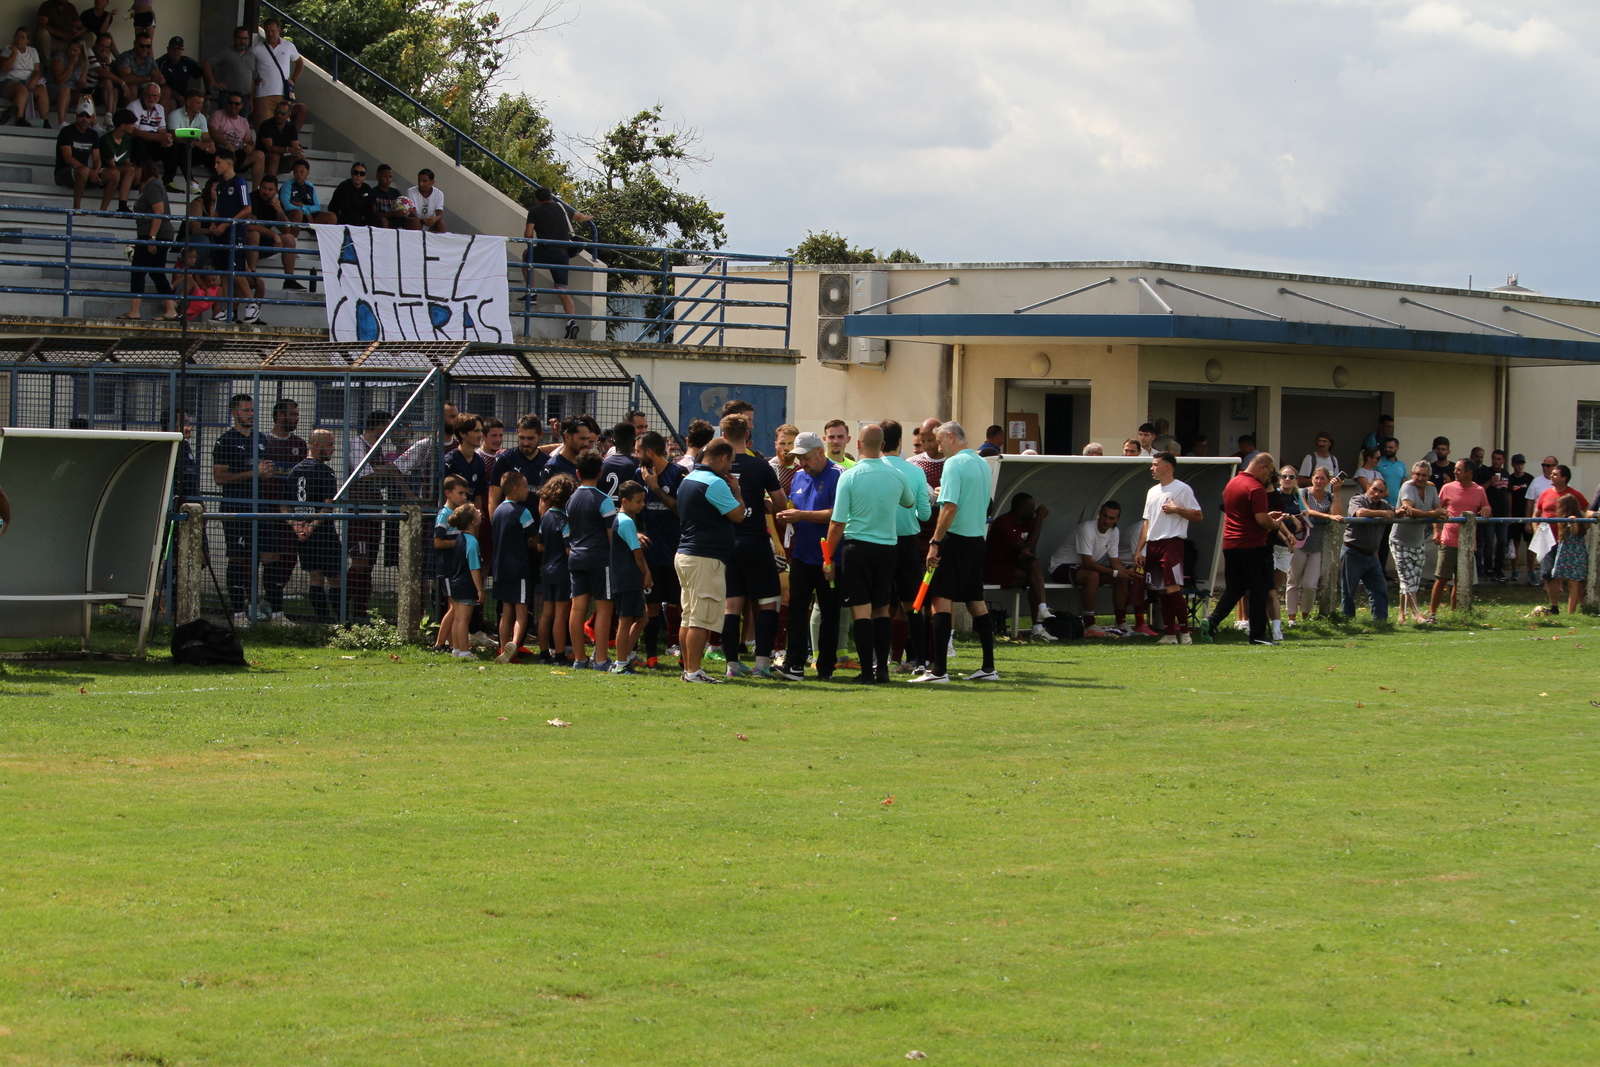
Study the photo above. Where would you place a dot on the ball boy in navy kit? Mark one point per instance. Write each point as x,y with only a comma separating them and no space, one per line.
589,514
555,583
465,574
630,574
515,531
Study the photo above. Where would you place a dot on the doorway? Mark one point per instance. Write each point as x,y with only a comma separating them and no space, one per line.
1060,408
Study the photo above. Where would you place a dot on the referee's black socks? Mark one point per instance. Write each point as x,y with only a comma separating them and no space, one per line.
862,629
732,637
984,624
939,647
882,639
916,638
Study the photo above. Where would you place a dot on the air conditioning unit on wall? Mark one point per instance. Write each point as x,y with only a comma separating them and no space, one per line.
868,287
833,304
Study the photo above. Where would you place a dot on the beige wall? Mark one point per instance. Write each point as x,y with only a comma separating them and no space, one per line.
180,18
1544,415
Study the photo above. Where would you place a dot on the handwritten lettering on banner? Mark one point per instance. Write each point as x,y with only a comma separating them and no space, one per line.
411,285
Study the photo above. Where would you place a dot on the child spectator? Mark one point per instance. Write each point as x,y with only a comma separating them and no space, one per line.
630,575
428,201
444,539
465,575
202,291
555,582
515,530
1572,554
589,514
386,210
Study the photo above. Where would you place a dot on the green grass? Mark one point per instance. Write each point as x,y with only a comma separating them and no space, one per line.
1355,848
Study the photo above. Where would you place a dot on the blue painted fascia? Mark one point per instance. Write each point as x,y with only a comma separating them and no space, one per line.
1241,331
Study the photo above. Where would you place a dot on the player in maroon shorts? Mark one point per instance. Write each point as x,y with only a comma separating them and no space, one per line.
279,546
1169,508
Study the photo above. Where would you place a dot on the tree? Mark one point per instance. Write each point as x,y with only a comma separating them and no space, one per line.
832,248
633,190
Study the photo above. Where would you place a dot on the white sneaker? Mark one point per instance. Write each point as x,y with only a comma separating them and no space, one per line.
250,314
220,314
1288,622
929,676
195,188
241,620
482,640
701,677
507,654
1277,631
951,650
1043,612
1168,639
1099,631
1039,633
984,676
280,619
461,653
1241,626
1185,639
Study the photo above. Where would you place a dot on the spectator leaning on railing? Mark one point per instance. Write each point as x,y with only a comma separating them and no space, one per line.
1460,496
1545,537
1360,564
1408,541
1319,505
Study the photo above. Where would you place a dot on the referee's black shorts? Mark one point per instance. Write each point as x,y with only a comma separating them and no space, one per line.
909,564
959,576
866,573
753,571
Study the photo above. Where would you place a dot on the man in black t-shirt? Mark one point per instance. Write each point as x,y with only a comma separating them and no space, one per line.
1493,536
267,206
242,471
78,156
278,140
312,482
549,223
180,72
752,573
1441,469
351,202
1517,483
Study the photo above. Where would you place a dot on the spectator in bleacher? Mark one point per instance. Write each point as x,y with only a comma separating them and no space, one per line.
178,73
994,442
118,168
267,207
97,20
386,210
233,202
278,67
77,157
103,82
230,129
22,79
549,223
303,203
278,140
201,291
151,259
150,133
58,26
1011,557
427,200
181,156
234,71
69,79
351,202
137,68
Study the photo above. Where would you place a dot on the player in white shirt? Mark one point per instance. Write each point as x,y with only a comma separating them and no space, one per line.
428,201
1169,508
1090,558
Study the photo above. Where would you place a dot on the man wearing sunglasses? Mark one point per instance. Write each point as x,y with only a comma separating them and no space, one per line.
230,129
351,202
137,67
279,141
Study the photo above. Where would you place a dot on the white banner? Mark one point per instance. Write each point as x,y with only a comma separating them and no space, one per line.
411,285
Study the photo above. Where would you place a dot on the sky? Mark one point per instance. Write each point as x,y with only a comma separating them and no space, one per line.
1420,142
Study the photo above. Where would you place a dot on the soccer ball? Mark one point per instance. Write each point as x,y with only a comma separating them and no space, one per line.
405,205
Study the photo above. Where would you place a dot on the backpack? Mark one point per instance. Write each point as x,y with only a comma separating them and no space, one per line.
1064,627
205,644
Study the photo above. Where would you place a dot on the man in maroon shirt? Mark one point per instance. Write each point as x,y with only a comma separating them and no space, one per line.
1246,556
1011,556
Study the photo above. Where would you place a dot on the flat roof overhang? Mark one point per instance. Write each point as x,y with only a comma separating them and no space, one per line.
1287,338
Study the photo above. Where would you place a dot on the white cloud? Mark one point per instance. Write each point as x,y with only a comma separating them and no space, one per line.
1419,141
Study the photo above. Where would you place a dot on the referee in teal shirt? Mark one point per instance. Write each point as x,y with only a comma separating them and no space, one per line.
864,532
956,553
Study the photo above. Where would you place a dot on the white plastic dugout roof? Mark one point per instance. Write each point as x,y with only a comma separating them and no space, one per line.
88,511
1074,487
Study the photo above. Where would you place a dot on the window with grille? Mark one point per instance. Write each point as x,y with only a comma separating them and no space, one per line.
1589,425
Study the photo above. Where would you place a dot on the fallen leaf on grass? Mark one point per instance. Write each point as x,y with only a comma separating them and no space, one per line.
1596,703
81,689
915,1054
741,737
558,672
504,719
887,800
347,657
558,722
1544,694
1359,704
394,657
1386,689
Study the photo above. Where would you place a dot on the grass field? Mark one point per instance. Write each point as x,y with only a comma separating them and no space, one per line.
1355,848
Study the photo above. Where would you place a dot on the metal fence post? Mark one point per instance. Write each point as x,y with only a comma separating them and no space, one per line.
1466,563
1591,592
1328,586
408,605
188,564
66,272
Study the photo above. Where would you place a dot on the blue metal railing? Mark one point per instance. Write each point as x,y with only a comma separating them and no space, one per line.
693,299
